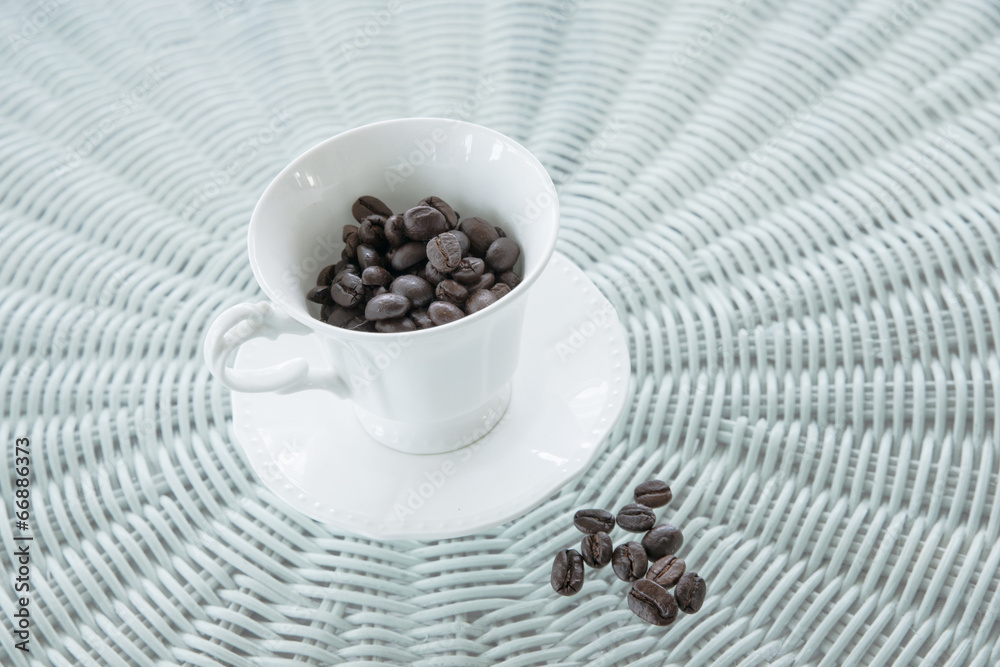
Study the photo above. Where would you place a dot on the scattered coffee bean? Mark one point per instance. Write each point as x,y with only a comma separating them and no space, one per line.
629,561
449,290
502,254
368,256
652,602
443,312
479,300
367,205
596,549
422,223
481,234
442,206
416,289
667,571
444,252
567,572
594,521
387,306
636,518
395,326
690,592
653,493
319,294
407,255
375,275
326,275
663,540
348,291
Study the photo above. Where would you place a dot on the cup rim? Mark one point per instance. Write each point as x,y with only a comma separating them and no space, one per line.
372,336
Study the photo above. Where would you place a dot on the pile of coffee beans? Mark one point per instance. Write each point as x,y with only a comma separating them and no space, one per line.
414,270
653,557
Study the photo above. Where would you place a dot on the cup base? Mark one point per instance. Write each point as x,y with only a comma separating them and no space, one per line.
436,437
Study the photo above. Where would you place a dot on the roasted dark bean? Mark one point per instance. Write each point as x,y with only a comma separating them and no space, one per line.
407,255
372,232
326,275
350,247
441,205
346,232
481,234
422,223
373,292
339,316
667,571
421,318
510,279
479,300
444,252
319,294
691,591
636,518
375,275
662,540
432,275
393,229
629,561
502,254
443,312
326,309
449,290
463,241
486,281
500,232
596,549
500,290
348,291
469,270
416,289
398,325
367,205
567,572
652,603
387,306
368,256
594,521
653,493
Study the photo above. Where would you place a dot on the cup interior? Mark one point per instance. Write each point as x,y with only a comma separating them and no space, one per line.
296,227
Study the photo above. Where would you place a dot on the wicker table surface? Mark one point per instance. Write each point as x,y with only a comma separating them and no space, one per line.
793,206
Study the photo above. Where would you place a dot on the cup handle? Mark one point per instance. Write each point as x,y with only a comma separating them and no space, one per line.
244,321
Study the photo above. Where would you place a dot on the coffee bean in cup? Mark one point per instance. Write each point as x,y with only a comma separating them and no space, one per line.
421,268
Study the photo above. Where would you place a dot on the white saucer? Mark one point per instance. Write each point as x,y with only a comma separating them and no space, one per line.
569,388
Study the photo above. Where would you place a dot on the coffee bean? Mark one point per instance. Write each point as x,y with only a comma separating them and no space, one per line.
594,521
348,291
407,255
662,540
653,493
397,325
449,290
596,549
350,247
422,223
652,602
636,518
667,571
567,572
326,309
443,312
359,323
387,306
441,205
502,254
346,232
691,591
469,270
326,275
367,205
372,292
339,316
444,252
432,275
368,256
374,276
510,279
393,230
481,234
372,232
485,281
463,241
416,289
500,290
319,294
421,318
629,561
500,232
479,300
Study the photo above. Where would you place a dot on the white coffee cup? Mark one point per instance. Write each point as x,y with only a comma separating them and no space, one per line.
421,392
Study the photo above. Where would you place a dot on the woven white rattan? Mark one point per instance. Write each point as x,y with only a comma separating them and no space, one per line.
794,207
